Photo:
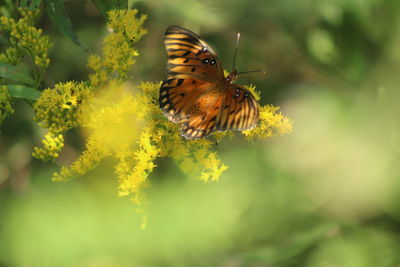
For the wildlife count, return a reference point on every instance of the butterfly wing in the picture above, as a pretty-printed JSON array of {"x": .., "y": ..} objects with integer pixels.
[
  {"x": 178, "y": 96},
  {"x": 193, "y": 103},
  {"x": 239, "y": 110},
  {"x": 190, "y": 57},
  {"x": 233, "y": 109}
]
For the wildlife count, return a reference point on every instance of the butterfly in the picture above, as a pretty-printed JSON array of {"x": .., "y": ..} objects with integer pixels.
[{"x": 196, "y": 94}]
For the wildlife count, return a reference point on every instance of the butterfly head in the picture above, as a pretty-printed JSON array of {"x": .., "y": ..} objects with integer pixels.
[{"x": 231, "y": 78}]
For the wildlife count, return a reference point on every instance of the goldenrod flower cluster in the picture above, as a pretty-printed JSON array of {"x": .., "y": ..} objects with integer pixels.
[
  {"x": 52, "y": 145},
  {"x": 11, "y": 56},
  {"x": 271, "y": 123},
  {"x": 5, "y": 104},
  {"x": 131, "y": 128},
  {"x": 25, "y": 39},
  {"x": 29, "y": 15},
  {"x": 58, "y": 110},
  {"x": 118, "y": 52},
  {"x": 124, "y": 122}
]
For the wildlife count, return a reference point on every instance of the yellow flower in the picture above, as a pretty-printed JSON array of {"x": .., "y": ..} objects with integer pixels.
[
  {"x": 271, "y": 123},
  {"x": 58, "y": 108},
  {"x": 254, "y": 92},
  {"x": 5, "y": 104},
  {"x": 213, "y": 168},
  {"x": 52, "y": 145},
  {"x": 89, "y": 159},
  {"x": 118, "y": 51},
  {"x": 131, "y": 128},
  {"x": 29, "y": 15},
  {"x": 25, "y": 40}
]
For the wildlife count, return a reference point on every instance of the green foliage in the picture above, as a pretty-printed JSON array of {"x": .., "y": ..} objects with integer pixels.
[
  {"x": 29, "y": 3},
  {"x": 106, "y": 5},
  {"x": 23, "y": 40},
  {"x": 8, "y": 71},
  {"x": 24, "y": 92},
  {"x": 56, "y": 12},
  {"x": 326, "y": 194}
]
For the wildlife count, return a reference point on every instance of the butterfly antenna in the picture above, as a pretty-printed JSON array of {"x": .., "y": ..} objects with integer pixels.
[
  {"x": 236, "y": 48},
  {"x": 244, "y": 72}
]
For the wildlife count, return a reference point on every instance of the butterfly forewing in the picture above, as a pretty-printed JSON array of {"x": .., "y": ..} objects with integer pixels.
[{"x": 189, "y": 56}]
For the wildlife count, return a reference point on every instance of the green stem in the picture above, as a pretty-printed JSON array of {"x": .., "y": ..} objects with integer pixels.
[
  {"x": 39, "y": 79},
  {"x": 29, "y": 102},
  {"x": 38, "y": 72}
]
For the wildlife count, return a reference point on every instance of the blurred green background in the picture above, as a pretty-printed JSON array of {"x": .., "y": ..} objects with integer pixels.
[{"x": 325, "y": 195}]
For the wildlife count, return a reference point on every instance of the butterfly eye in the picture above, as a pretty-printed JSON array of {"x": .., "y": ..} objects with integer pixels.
[
  {"x": 201, "y": 51},
  {"x": 237, "y": 89},
  {"x": 205, "y": 61},
  {"x": 212, "y": 62}
]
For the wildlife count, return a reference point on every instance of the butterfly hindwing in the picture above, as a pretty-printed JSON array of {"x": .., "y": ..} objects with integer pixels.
[
  {"x": 236, "y": 109},
  {"x": 190, "y": 57},
  {"x": 239, "y": 110},
  {"x": 179, "y": 98},
  {"x": 203, "y": 117}
]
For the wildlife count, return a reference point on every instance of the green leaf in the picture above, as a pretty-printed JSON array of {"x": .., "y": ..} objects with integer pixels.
[
  {"x": 105, "y": 5},
  {"x": 22, "y": 91},
  {"x": 11, "y": 72},
  {"x": 29, "y": 3},
  {"x": 22, "y": 3},
  {"x": 57, "y": 14},
  {"x": 35, "y": 3}
]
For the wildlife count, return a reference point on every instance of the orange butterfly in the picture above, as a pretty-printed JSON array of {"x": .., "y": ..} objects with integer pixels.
[{"x": 196, "y": 94}]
